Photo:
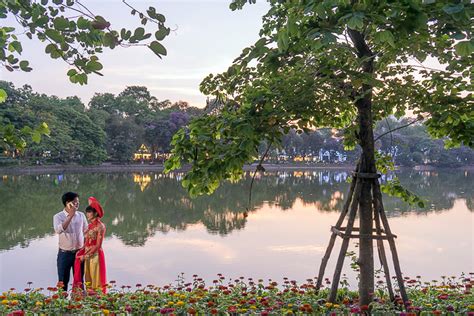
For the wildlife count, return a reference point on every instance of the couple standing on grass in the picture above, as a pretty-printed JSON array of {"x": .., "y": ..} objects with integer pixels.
[{"x": 80, "y": 244}]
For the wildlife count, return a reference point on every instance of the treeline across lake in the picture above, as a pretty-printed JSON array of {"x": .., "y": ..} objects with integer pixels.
[
  {"x": 142, "y": 204},
  {"x": 114, "y": 128}
]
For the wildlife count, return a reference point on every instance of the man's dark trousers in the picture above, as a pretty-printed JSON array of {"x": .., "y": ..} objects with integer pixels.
[{"x": 65, "y": 262}]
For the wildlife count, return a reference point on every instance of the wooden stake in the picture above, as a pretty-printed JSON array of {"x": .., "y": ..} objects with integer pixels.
[
  {"x": 345, "y": 242},
  {"x": 391, "y": 241},
  {"x": 327, "y": 254},
  {"x": 381, "y": 249}
]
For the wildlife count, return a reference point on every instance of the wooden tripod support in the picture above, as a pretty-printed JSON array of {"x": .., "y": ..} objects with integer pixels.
[{"x": 380, "y": 233}]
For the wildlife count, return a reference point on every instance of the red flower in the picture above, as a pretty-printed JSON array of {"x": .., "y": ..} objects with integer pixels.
[
  {"x": 17, "y": 313},
  {"x": 443, "y": 296},
  {"x": 191, "y": 311},
  {"x": 364, "y": 308},
  {"x": 214, "y": 311},
  {"x": 55, "y": 296}
]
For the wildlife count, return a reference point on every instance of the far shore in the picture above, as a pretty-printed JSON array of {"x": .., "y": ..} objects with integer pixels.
[{"x": 158, "y": 167}]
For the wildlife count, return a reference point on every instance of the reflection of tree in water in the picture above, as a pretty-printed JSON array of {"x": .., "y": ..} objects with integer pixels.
[{"x": 137, "y": 206}]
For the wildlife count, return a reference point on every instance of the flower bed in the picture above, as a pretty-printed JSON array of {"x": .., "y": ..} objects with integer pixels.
[{"x": 449, "y": 296}]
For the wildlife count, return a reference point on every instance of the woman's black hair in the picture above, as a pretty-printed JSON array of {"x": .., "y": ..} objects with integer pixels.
[{"x": 91, "y": 209}]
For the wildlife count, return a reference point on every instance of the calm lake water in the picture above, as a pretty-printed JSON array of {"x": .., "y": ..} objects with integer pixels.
[{"x": 155, "y": 231}]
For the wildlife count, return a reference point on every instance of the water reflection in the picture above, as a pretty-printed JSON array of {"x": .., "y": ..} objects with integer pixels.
[{"x": 141, "y": 204}]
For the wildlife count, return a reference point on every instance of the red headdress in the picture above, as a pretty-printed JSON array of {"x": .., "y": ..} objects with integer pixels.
[{"x": 96, "y": 205}]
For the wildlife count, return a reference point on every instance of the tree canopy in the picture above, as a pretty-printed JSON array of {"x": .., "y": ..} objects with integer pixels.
[
  {"x": 111, "y": 128},
  {"x": 315, "y": 60},
  {"x": 72, "y": 33}
]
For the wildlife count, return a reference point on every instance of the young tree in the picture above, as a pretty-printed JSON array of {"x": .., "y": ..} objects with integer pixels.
[
  {"x": 72, "y": 33},
  {"x": 341, "y": 64}
]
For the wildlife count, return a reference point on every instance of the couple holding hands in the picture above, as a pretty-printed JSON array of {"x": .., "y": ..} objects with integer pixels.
[{"x": 80, "y": 244}]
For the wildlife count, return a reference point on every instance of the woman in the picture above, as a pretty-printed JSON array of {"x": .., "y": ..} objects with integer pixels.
[{"x": 92, "y": 254}]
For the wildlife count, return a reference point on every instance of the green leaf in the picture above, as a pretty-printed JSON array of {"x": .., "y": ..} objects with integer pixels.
[
  {"x": 61, "y": 23},
  {"x": 54, "y": 35},
  {"x": 15, "y": 46},
  {"x": 94, "y": 65},
  {"x": 72, "y": 72},
  {"x": 160, "y": 17},
  {"x": 36, "y": 136},
  {"x": 43, "y": 128},
  {"x": 385, "y": 37},
  {"x": 24, "y": 66},
  {"x": 139, "y": 32},
  {"x": 355, "y": 22},
  {"x": 162, "y": 33},
  {"x": 109, "y": 40},
  {"x": 157, "y": 48},
  {"x": 3, "y": 95},
  {"x": 464, "y": 48},
  {"x": 83, "y": 23}
]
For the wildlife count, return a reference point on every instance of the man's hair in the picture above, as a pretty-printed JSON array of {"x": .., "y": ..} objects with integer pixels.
[{"x": 69, "y": 197}]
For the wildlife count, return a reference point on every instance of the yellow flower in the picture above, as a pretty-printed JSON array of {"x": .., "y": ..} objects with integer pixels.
[
  {"x": 289, "y": 313},
  {"x": 328, "y": 305},
  {"x": 336, "y": 305},
  {"x": 253, "y": 307},
  {"x": 38, "y": 303},
  {"x": 105, "y": 311},
  {"x": 14, "y": 302},
  {"x": 290, "y": 305},
  {"x": 182, "y": 296},
  {"x": 243, "y": 310},
  {"x": 5, "y": 302},
  {"x": 179, "y": 303},
  {"x": 428, "y": 304},
  {"x": 471, "y": 307},
  {"x": 170, "y": 303},
  {"x": 176, "y": 294},
  {"x": 151, "y": 308}
]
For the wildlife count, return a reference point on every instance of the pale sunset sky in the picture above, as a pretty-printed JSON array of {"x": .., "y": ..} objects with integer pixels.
[{"x": 207, "y": 37}]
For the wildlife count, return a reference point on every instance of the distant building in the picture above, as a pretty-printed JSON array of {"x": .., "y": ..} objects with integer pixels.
[{"x": 143, "y": 153}]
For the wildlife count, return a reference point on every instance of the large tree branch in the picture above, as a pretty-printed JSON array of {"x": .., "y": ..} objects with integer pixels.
[{"x": 399, "y": 127}]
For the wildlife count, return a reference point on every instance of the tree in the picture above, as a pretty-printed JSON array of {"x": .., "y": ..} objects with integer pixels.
[
  {"x": 340, "y": 64},
  {"x": 72, "y": 33},
  {"x": 124, "y": 137}
]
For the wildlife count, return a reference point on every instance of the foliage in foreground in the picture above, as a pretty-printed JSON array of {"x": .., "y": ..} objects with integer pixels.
[{"x": 450, "y": 296}]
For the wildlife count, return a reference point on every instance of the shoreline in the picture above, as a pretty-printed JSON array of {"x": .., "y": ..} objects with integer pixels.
[{"x": 132, "y": 168}]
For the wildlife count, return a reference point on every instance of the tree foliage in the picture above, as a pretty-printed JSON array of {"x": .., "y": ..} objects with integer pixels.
[
  {"x": 112, "y": 127},
  {"x": 315, "y": 60},
  {"x": 72, "y": 33}
]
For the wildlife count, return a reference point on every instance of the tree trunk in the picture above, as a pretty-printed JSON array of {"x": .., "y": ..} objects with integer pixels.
[{"x": 366, "y": 141}]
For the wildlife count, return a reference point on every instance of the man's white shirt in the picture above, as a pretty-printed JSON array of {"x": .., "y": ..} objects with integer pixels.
[{"x": 73, "y": 237}]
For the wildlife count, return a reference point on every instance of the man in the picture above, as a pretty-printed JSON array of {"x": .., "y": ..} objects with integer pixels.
[{"x": 70, "y": 224}]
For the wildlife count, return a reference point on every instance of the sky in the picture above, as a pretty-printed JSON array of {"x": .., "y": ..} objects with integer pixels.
[{"x": 207, "y": 36}]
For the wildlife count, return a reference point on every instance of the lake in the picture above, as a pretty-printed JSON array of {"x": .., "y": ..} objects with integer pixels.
[{"x": 155, "y": 231}]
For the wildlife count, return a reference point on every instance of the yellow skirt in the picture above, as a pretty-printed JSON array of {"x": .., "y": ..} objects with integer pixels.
[{"x": 92, "y": 272}]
